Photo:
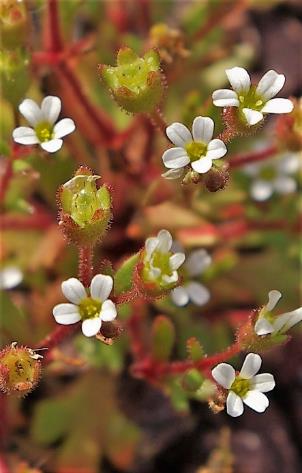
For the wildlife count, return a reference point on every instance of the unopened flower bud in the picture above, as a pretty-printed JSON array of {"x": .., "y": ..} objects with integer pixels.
[
  {"x": 14, "y": 74},
  {"x": 20, "y": 369},
  {"x": 13, "y": 23},
  {"x": 85, "y": 208},
  {"x": 168, "y": 41},
  {"x": 216, "y": 179},
  {"x": 109, "y": 332},
  {"x": 135, "y": 83},
  {"x": 191, "y": 177}
]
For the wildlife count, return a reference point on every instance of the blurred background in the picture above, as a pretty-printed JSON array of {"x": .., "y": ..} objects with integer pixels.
[{"x": 88, "y": 413}]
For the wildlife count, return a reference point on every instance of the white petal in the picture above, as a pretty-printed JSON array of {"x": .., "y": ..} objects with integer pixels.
[
  {"x": 256, "y": 400},
  {"x": 224, "y": 374},
  {"x": 286, "y": 321},
  {"x": 234, "y": 405},
  {"x": 108, "y": 311},
  {"x": 197, "y": 262},
  {"x": 31, "y": 111},
  {"x": 176, "y": 260},
  {"x": 285, "y": 185},
  {"x": 101, "y": 286},
  {"x": 51, "y": 107},
  {"x": 73, "y": 290},
  {"x": 251, "y": 365},
  {"x": 263, "y": 326},
  {"x": 63, "y": 127},
  {"x": 270, "y": 84},
  {"x": 202, "y": 165},
  {"x": 264, "y": 382},
  {"x": 164, "y": 241},
  {"x": 178, "y": 134},
  {"x": 175, "y": 158},
  {"x": 180, "y": 296},
  {"x": 273, "y": 298},
  {"x": 52, "y": 146},
  {"x": 91, "y": 327},
  {"x": 154, "y": 273},
  {"x": 202, "y": 129},
  {"x": 25, "y": 136},
  {"x": 239, "y": 79},
  {"x": 216, "y": 149},
  {"x": 10, "y": 277},
  {"x": 173, "y": 174},
  {"x": 170, "y": 279},
  {"x": 278, "y": 106},
  {"x": 198, "y": 293},
  {"x": 150, "y": 245},
  {"x": 66, "y": 314},
  {"x": 252, "y": 116},
  {"x": 225, "y": 98},
  {"x": 289, "y": 163},
  {"x": 261, "y": 190}
]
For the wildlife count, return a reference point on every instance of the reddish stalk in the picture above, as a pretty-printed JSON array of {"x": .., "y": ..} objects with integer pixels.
[
  {"x": 85, "y": 265},
  {"x": 253, "y": 157},
  {"x": 37, "y": 221},
  {"x": 158, "y": 121},
  {"x": 59, "y": 334},
  {"x": 53, "y": 38}
]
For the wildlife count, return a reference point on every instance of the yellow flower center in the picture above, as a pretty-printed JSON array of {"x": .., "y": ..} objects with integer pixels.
[
  {"x": 44, "y": 131},
  {"x": 196, "y": 150},
  {"x": 89, "y": 308},
  {"x": 241, "y": 386}
]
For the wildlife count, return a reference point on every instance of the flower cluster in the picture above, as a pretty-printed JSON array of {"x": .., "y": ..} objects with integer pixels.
[
  {"x": 91, "y": 308},
  {"x": 44, "y": 132},
  {"x": 246, "y": 387}
]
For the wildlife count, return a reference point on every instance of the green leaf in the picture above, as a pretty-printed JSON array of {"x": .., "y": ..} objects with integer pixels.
[
  {"x": 123, "y": 279},
  {"x": 13, "y": 323},
  {"x": 162, "y": 338},
  {"x": 194, "y": 348}
]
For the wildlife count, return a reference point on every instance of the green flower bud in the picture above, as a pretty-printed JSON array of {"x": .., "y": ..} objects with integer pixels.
[
  {"x": 14, "y": 74},
  {"x": 13, "y": 23},
  {"x": 86, "y": 209},
  {"x": 135, "y": 83},
  {"x": 20, "y": 369}
]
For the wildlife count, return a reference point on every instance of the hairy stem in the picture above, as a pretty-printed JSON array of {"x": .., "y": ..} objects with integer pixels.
[
  {"x": 253, "y": 157},
  {"x": 85, "y": 265}
]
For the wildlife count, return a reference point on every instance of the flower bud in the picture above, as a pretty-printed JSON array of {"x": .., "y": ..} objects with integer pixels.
[
  {"x": 135, "y": 83},
  {"x": 168, "y": 41},
  {"x": 14, "y": 74},
  {"x": 20, "y": 369},
  {"x": 85, "y": 208},
  {"x": 13, "y": 23},
  {"x": 191, "y": 177},
  {"x": 289, "y": 128},
  {"x": 216, "y": 179},
  {"x": 109, "y": 331}
]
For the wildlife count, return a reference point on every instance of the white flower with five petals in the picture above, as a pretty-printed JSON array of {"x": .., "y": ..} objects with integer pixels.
[
  {"x": 273, "y": 176},
  {"x": 44, "y": 130},
  {"x": 267, "y": 323},
  {"x": 192, "y": 290},
  {"x": 160, "y": 264},
  {"x": 198, "y": 150},
  {"x": 253, "y": 101},
  {"x": 92, "y": 308},
  {"x": 246, "y": 387}
]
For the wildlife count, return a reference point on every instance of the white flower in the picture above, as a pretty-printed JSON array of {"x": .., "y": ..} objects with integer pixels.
[
  {"x": 267, "y": 323},
  {"x": 92, "y": 308},
  {"x": 273, "y": 175},
  {"x": 193, "y": 291},
  {"x": 44, "y": 131},
  {"x": 246, "y": 387},
  {"x": 253, "y": 102},
  {"x": 10, "y": 277},
  {"x": 160, "y": 264},
  {"x": 199, "y": 151}
]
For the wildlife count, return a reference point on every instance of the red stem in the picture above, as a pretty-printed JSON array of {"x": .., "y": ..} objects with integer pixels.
[
  {"x": 53, "y": 39},
  {"x": 59, "y": 334},
  {"x": 37, "y": 221},
  {"x": 253, "y": 157},
  {"x": 158, "y": 121},
  {"x": 85, "y": 265}
]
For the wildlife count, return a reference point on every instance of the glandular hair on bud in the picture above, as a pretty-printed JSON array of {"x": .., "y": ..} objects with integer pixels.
[
  {"x": 20, "y": 370},
  {"x": 216, "y": 179}
]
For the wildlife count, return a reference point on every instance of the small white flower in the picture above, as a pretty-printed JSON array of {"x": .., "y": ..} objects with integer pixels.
[
  {"x": 198, "y": 150},
  {"x": 160, "y": 264},
  {"x": 10, "y": 277},
  {"x": 192, "y": 290},
  {"x": 274, "y": 175},
  {"x": 42, "y": 119},
  {"x": 253, "y": 102},
  {"x": 246, "y": 387},
  {"x": 92, "y": 309},
  {"x": 267, "y": 323}
]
